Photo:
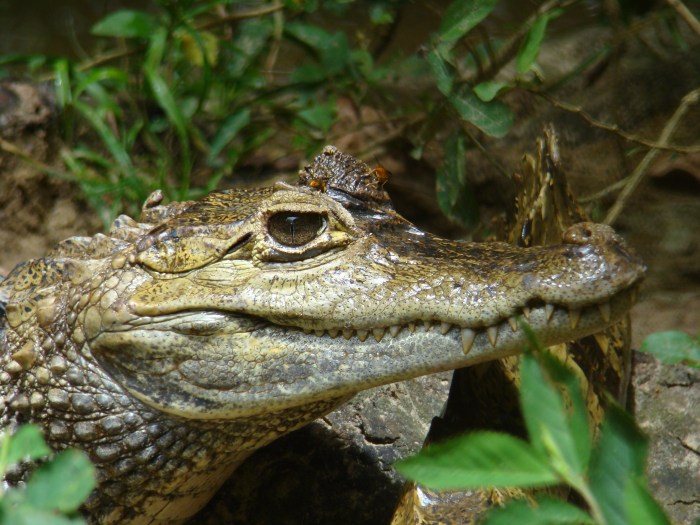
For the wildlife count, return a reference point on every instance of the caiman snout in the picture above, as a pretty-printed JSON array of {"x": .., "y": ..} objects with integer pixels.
[{"x": 610, "y": 247}]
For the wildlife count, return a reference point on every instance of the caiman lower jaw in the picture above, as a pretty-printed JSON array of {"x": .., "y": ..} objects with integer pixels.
[{"x": 543, "y": 318}]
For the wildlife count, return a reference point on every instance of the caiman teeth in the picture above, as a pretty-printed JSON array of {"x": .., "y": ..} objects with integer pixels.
[
  {"x": 492, "y": 332},
  {"x": 574, "y": 317},
  {"x": 428, "y": 325},
  {"x": 468, "y": 336},
  {"x": 526, "y": 312},
  {"x": 445, "y": 327},
  {"x": 362, "y": 335},
  {"x": 333, "y": 332},
  {"x": 411, "y": 327},
  {"x": 347, "y": 333},
  {"x": 319, "y": 333},
  {"x": 549, "y": 311},
  {"x": 394, "y": 330},
  {"x": 513, "y": 322},
  {"x": 604, "y": 310},
  {"x": 378, "y": 334}
]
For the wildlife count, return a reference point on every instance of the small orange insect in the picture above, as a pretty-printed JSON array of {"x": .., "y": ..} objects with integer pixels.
[{"x": 382, "y": 174}]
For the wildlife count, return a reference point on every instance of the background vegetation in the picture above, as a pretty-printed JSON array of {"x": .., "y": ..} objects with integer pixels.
[{"x": 182, "y": 93}]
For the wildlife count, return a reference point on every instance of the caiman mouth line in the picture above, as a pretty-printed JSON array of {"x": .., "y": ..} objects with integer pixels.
[{"x": 596, "y": 312}]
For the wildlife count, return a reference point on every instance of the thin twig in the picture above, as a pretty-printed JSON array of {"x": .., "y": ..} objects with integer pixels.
[
  {"x": 614, "y": 187},
  {"x": 614, "y": 128},
  {"x": 490, "y": 157},
  {"x": 685, "y": 14},
  {"x": 636, "y": 177}
]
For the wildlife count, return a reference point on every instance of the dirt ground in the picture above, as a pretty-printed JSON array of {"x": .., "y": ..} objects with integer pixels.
[{"x": 36, "y": 211}]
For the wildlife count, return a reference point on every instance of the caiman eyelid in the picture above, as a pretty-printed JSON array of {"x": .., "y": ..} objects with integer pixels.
[{"x": 239, "y": 243}]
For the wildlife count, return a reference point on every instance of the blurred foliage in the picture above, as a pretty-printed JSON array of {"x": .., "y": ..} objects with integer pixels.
[
  {"x": 673, "y": 347},
  {"x": 179, "y": 93},
  {"x": 54, "y": 491}
]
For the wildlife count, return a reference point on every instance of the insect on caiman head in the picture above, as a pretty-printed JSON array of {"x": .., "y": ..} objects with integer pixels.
[{"x": 259, "y": 300}]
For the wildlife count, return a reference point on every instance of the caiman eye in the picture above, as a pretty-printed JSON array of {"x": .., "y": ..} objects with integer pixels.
[{"x": 295, "y": 228}]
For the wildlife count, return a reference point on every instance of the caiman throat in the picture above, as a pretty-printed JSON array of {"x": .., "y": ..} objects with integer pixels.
[{"x": 171, "y": 348}]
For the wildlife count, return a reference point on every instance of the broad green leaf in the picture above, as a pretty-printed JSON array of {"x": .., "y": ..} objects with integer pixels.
[
  {"x": 462, "y": 16},
  {"x": 547, "y": 419},
  {"x": 166, "y": 100},
  {"x": 454, "y": 195},
  {"x": 61, "y": 484},
  {"x": 28, "y": 516},
  {"x": 250, "y": 40},
  {"x": 480, "y": 459},
  {"x": 531, "y": 45},
  {"x": 320, "y": 116},
  {"x": 493, "y": 118},
  {"x": 673, "y": 346},
  {"x": 543, "y": 511},
  {"x": 490, "y": 89},
  {"x": 619, "y": 456},
  {"x": 442, "y": 71},
  {"x": 25, "y": 444},
  {"x": 126, "y": 23},
  {"x": 228, "y": 130},
  {"x": 332, "y": 49},
  {"x": 641, "y": 507}
]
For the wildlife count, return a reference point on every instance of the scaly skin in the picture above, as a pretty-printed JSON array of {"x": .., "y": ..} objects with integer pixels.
[{"x": 172, "y": 348}]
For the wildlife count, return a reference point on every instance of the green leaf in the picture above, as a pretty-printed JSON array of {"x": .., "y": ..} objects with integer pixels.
[
  {"x": 228, "y": 130},
  {"x": 320, "y": 116},
  {"x": 493, "y": 118},
  {"x": 61, "y": 69},
  {"x": 61, "y": 484},
  {"x": 490, "y": 89},
  {"x": 28, "y": 516},
  {"x": 462, "y": 16},
  {"x": 553, "y": 430},
  {"x": 544, "y": 511},
  {"x": 476, "y": 460},
  {"x": 105, "y": 133},
  {"x": 25, "y": 444},
  {"x": 454, "y": 195},
  {"x": 332, "y": 49},
  {"x": 673, "y": 347},
  {"x": 442, "y": 71},
  {"x": 619, "y": 456},
  {"x": 641, "y": 507},
  {"x": 126, "y": 23},
  {"x": 531, "y": 45}
]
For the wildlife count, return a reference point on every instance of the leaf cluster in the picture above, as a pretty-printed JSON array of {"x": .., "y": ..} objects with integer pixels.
[
  {"x": 53, "y": 492},
  {"x": 180, "y": 93},
  {"x": 607, "y": 473}
]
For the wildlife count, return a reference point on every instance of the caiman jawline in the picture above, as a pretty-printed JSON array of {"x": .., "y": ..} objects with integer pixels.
[{"x": 595, "y": 316}]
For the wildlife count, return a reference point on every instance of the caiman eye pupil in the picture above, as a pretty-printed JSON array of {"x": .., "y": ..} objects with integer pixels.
[{"x": 295, "y": 229}]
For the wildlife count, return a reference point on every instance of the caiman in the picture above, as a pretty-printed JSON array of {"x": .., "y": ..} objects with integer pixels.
[{"x": 173, "y": 347}]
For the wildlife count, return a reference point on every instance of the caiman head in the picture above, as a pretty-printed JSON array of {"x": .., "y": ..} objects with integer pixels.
[{"x": 253, "y": 301}]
